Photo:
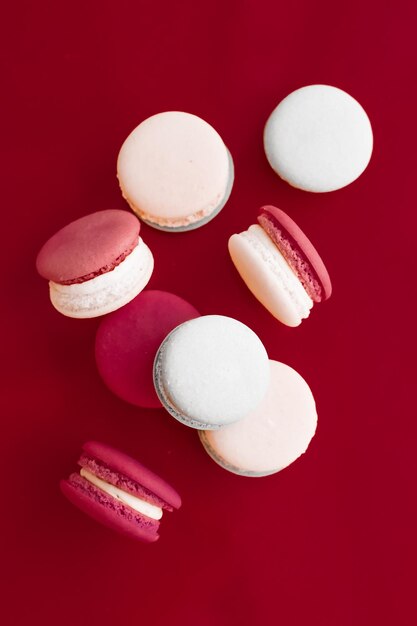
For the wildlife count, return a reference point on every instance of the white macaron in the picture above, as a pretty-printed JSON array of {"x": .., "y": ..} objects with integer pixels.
[
  {"x": 211, "y": 371},
  {"x": 318, "y": 138}
]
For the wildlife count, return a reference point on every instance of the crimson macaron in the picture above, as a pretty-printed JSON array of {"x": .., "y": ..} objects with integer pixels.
[
  {"x": 128, "y": 340},
  {"x": 95, "y": 264},
  {"x": 119, "y": 492}
]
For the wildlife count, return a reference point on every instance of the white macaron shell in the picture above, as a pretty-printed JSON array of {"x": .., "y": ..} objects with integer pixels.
[
  {"x": 268, "y": 276},
  {"x": 106, "y": 292},
  {"x": 318, "y": 138},
  {"x": 213, "y": 370},
  {"x": 172, "y": 166},
  {"x": 274, "y": 435}
]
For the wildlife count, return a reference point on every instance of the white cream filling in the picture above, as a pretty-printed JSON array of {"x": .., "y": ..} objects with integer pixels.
[
  {"x": 265, "y": 247},
  {"x": 150, "y": 510},
  {"x": 107, "y": 292}
]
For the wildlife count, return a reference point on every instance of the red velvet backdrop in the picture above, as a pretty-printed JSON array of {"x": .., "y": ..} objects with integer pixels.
[{"x": 329, "y": 541}]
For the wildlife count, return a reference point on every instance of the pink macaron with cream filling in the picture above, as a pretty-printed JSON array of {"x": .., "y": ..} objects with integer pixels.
[
  {"x": 95, "y": 264},
  {"x": 119, "y": 492},
  {"x": 280, "y": 265}
]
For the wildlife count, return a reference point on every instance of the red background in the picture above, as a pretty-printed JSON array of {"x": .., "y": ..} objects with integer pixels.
[{"x": 331, "y": 540}]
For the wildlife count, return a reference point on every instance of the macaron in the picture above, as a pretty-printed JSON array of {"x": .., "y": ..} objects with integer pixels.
[
  {"x": 95, "y": 264},
  {"x": 119, "y": 492},
  {"x": 128, "y": 340},
  {"x": 211, "y": 371},
  {"x": 280, "y": 266},
  {"x": 272, "y": 436},
  {"x": 318, "y": 138},
  {"x": 175, "y": 171}
]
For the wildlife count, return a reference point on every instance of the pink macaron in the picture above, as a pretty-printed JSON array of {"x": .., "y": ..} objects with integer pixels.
[
  {"x": 128, "y": 340},
  {"x": 95, "y": 264},
  {"x": 274, "y": 435},
  {"x": 119, "y": 492},
  {"x": 280, "y": 266},
  {"x": 175, "y": 171}
]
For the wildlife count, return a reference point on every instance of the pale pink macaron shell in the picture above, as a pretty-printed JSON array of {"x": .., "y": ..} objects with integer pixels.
[
  {"x": 175, "y": 171},
  {"x": 274, "y": 434},
  {"x": 89, "y": 246}
]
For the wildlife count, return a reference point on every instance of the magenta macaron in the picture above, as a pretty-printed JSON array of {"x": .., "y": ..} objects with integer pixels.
[
  {"x": 128, "y": 340},
  {"x": 95, "y": 264},
  {"x": 280, "y": 266},
  {"x": 119, "y": 492}
]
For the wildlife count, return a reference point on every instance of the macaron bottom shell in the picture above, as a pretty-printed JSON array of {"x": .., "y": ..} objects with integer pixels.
[
  {"x": 191, "y": 222},
  {"x": 107, "y": 292},
  {"x": 108, "y": 511},
  {"x": 267, "y": 275},
  {"x": 228, "y": 466}
]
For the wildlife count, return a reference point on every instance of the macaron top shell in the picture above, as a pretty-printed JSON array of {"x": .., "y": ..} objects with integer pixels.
[
  {"x": 89, "y": 246},
  {"x": 128, "y": 339},
  {"x": 173, "y": 165},
  {"x": 318, "y": 138},
  {"x": 298, "y": 251},
  {"x": 213, "y": 370},
  {"x": 123, "y": 464}
]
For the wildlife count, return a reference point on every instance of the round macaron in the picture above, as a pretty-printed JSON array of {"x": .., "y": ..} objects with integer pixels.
[
  {"x": 280, "y": 266},
  {"x": 128, "y": 339},
  {"x": 211, "y": 371},
  {"x": 95, "y": 264},
  {"x": 119, "y": 492},
  {"x": 274, "y": 435},
  {"x": 318, "y": 138},
  {"x": 175, "y": 171}
]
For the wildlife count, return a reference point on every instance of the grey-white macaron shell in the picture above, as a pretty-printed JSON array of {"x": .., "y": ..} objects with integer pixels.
[
  {"x": 211, "y": 371},
  {"x": 318, "y": 138}
]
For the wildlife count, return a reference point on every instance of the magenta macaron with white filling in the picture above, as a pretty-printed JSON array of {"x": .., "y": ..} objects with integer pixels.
[
  {"x": 119, "y": 492},
  {"x": 95, "y": 264},
  {"x": 280, "y": 266}
]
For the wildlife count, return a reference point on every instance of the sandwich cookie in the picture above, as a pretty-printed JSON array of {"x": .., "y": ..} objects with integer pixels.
[
  {"x": 95, "y": 264},
  {"x": 119, "y": 492},
  {"x": 274, "y": 435},
  {"x": 318, "y": 139},
  {"x": 175, "y": 171},
  {"x": 211, "y": 371},
  {"x": 280, "y": 266},
  {"x": 128, "y": 339}
]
